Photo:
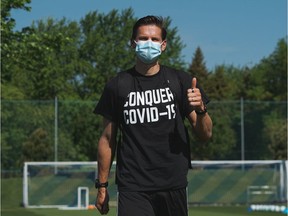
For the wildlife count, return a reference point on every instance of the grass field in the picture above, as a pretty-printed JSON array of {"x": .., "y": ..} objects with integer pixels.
[
  {"x": 11, "y": 198},
  {"x": 196, "y": 211}
]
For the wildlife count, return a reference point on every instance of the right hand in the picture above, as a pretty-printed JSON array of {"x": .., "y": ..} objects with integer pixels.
[
  {"x": 194, "y": 96},
  {"x": 102, "y": 201}
]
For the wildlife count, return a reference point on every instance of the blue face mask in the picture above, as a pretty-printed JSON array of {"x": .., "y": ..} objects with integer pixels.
[{"x": 148, "y": 51}]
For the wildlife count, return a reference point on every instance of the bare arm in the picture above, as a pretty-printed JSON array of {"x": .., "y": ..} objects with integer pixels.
[
  {"x": 201, "y": 123},
  {"x": 106, "y": 151}
]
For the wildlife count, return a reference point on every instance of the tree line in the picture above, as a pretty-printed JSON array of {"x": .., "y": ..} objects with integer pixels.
[{"x": 73, "y": 60}]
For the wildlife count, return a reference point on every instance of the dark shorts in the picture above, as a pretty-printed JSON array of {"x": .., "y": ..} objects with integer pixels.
[{"x": 160, "y": 203}]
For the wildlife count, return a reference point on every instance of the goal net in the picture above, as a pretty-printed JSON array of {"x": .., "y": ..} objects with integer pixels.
[
  {"x": 60, "y": 184},
  {"x": 237, "y": 182},
  {"x": 71, "y": 184}
]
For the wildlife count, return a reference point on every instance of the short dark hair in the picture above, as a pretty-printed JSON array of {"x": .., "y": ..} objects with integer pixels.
[{"x": 149, "y": 20}]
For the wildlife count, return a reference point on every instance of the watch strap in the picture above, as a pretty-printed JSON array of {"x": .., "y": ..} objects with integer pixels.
[
  {"x": 98, "y": 184},
  {"x": 202, "y": 112}
]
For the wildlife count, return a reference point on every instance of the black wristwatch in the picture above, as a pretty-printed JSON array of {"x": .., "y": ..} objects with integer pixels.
[
  {"x": 100, "y": 185},
  {"x": 201, "y": 112}
]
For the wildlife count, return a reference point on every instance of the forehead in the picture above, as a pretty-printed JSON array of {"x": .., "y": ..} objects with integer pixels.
[{"x": 149, "y": 30}]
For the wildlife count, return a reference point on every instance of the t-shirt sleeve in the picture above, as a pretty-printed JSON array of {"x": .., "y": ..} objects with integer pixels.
[{"x": 107, "y": 105}]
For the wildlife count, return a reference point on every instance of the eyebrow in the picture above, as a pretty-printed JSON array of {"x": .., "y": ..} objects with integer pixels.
[{"x": 146, "y": 38}]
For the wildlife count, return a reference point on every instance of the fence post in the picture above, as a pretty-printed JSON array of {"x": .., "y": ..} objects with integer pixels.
[
  {"x": 56, "y": 132},
  {"x": 242, "y": 130}
]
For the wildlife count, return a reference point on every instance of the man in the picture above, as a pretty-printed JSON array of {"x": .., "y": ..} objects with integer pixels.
[{"x": 148, "y": 103}]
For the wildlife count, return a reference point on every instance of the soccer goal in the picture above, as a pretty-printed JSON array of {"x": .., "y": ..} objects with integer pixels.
[
  {"x": 60, "y": 184},
  {"x": 70, "y": 185},
  {"x": 237, "y": 182}
]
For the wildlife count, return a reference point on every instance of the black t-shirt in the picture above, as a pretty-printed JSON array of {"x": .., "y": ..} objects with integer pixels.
[{"x": 151, "y": 156}]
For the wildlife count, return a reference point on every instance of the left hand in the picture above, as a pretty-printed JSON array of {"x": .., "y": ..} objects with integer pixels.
[
  {"x": 194, "y": 96},
  {"x": 102, "y": 201}
]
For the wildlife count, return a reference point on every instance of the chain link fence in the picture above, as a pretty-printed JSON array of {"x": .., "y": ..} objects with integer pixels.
[{"x": 69, "y": 131}]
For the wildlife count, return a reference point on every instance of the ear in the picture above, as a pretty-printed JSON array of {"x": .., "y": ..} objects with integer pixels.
[{"x": 163, "y": 46}]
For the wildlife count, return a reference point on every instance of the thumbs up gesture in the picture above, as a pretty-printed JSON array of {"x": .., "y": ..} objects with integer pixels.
[{"x": 194, "y": 97}]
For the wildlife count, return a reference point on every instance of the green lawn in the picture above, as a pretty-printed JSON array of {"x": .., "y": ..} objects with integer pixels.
[
  {"x": 11, "y": 198},
  {"x": 196, "y": 211}
]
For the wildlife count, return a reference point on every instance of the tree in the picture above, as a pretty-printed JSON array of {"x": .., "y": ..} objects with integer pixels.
[
  {"x": 269, "y": 77},
  {"x": 78, "y": 131},
  {"x": 73, "y": 60},
  {"x": 37, "y": 147},
  {"x": 20, "y": 119},
  {"x": 49, "y": 60},
  {"x": 224, "y": 138},
  {"x": 198, "y": 67},
  {"x": 275, "y": 134},
  {"x": 276, "y": 72},
  {"x": 105, "y": 47},
  {"x": 218, "y": 85},
  {"x": 172, "y": 55},
  {"x": 8, "y": 36}
]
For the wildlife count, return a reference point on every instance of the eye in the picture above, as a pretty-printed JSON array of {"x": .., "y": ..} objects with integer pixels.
[{"x": 156, "y": 39}]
